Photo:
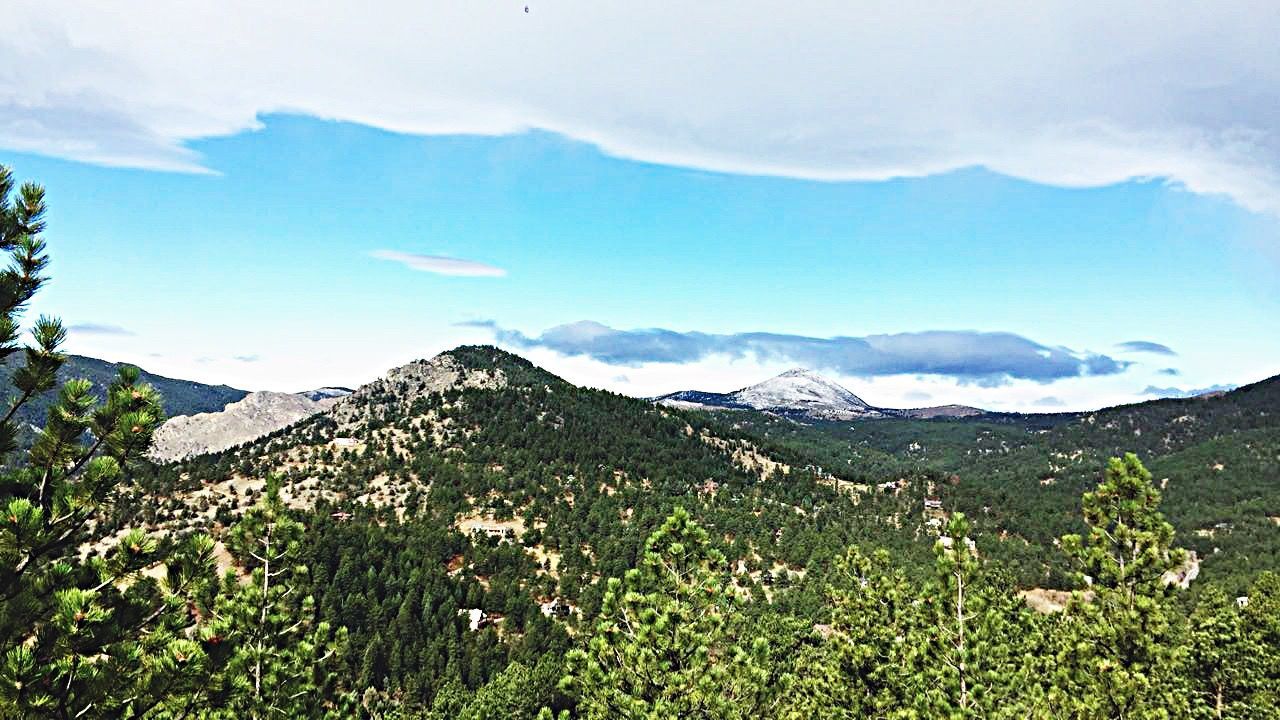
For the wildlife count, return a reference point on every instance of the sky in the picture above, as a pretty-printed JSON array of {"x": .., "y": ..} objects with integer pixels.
[{"x": 1060, "y": 207}]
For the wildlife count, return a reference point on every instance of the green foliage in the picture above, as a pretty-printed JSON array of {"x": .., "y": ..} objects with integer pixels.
[
  {"x": 1226, "y": 664},
  {"x": 1121, "y": 652},
  {"x": 858, "y": 670},
  {"x": 971, "y": 656},
  {"x": 670, "y": 642},
  {"x": 106, "y": 635},
  {"x": 277, "y": 662}
]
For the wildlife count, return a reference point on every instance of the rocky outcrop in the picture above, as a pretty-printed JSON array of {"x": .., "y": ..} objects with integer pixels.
[
  {"x": 397, "y": 391},
  {"x": 258, "y": 414}
]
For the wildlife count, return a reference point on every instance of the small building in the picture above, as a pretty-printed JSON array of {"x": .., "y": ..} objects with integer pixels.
[
  {"x": 557, "y": 608},
  {"x": 497, "y": 531},
  {"x": 475, "y": 616}
]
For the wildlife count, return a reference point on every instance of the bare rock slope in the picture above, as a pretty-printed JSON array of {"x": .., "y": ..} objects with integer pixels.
[
  {"x": 258, "y": 414},
  {"x": 396, "y": 392}
]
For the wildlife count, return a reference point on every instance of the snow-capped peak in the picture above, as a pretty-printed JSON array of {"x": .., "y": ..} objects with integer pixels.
[
  {"x": 325, "y": 393},
  {"x": 803, "y": 390}
]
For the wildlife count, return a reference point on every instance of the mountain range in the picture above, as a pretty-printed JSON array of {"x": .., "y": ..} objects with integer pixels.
[
  {"x": 477, "y": 432},
  {"x": 473, "y": 500}
]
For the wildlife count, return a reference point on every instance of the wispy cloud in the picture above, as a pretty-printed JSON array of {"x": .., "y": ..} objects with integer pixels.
[
  {"x": 1173, "y": 392},
  {"x": 1169, "y": 371},
  {"x": 440, "y": 264},
  {"x": 1144, "y": 346},
  {"x": 97, "y": 329},
  {"x": 986, "y": 358},
  {"x": 246, "y": 358}
]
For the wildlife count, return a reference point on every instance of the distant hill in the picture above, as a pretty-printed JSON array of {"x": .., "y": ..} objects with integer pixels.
[
  {"x": 181, "y": 397},
  {"x": 476, "y": 483},
  {"x": 325, "y": 393}
]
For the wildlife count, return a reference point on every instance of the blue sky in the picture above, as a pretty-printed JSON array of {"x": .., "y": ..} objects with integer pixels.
[
  {"x": 262, "y": 273},
  {"x": 1054, "y": 205}
]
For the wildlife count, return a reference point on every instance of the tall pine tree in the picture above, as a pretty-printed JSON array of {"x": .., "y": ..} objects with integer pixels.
[
  {"x": 1121, "y": 653},
  {"x": 81, "y": 638}
]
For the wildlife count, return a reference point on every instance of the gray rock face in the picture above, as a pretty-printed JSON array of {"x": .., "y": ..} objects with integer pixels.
[
  {"x": 258, "y": 414},
  {"x": 398, "y": 390}
]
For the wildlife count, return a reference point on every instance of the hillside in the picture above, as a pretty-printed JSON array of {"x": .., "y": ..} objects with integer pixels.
[
  {"x": 478, "y": 435},
  {"x": 514, "y": 492}
]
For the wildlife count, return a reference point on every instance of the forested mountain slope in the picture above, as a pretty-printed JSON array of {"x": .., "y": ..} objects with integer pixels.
[
  {"x": 180, "y": 397},
  {"x": 1216, "y": 458},
  {"x": 516, "y": 490}
]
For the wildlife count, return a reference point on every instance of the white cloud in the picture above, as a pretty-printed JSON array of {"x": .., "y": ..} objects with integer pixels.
[
  {"x": 1061, "y": 91},
  {"x": 440, "y": 264},
  {"x": 91, "y": 328}
]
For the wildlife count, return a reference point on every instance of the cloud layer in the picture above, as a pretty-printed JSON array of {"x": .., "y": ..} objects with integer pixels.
[
  {"x": 989, "y": 358},
  {"x": 1061, "y": 91},
  {"x": 440, "y": 264},
  {"x": 1144, "y": 346}
]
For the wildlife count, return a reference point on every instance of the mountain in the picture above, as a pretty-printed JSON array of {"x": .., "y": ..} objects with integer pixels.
[
  {"x": 248, "y": 419},
  {"x": 1216, "y": 458},
  {"x": 181, "y": 397},
  {"x": 804, "y": 394}
]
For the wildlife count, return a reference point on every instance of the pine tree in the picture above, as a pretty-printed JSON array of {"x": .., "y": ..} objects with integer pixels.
[
  {"x": 278, "y": 661},
  {"x": 859, "y": 670},
  {"x": 669, "y": 642},
  {"x": 1223, "y": 665},
  {"x": 1121, "y": 653},
  {"x": 91, "y": 638},
  {"x": 970, "y": 658},
  {"x": 1260, "y": 620}
]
